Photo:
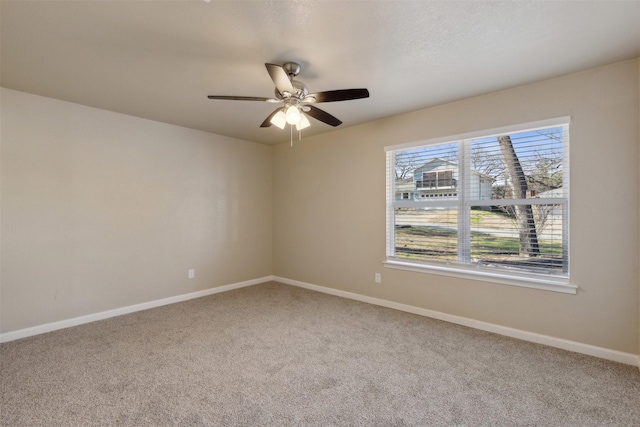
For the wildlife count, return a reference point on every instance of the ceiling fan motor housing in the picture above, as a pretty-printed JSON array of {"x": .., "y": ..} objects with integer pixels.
[
  {"x": 291, "y": 68},
  {"x": 301, "y": 91}
]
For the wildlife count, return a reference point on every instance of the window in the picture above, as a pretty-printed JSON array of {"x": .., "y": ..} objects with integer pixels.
[
  {"x": 437, "y": 179},
  {"x": 506, "y": 219}
]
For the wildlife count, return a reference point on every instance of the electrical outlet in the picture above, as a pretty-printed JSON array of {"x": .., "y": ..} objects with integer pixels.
[
  {"x": 378, "y": 278},
  {"x": 192, "y": 274}
]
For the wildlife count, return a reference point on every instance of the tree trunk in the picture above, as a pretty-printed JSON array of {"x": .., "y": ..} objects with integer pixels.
[{"x": 524, "y": 214}]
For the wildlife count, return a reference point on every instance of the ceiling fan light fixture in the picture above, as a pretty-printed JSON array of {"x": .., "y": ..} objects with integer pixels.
[
  {"x": 303, "y": 123},
  {"x": 279, "y": 119},
  {"x": 295, "y": 98},
  {"x": 293, "y": 115}
]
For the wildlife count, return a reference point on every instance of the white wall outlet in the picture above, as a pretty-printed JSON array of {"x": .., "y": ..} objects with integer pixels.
[
  {"x": 378, "y": 278},
  {"x": 192, "y": 274}
]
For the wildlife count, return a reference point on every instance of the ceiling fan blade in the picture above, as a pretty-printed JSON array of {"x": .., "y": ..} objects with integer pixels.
[
  {"x": 323, "y": 116},
  {"x": 267, "y": 122},
  {"x": 243, "y": 98},
  {"x": 337, "y": 95},
  {"x": 280, "y": 78}
]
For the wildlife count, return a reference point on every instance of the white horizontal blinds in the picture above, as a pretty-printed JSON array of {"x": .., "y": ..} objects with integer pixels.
[
  {"x": 502, "y": 242},
  {"x": 425, "y": 225},
  {"x": 391, "y": 195},
  {"x": 498, "y": 202},
  {"x": 427, "y": 172},
  {"x": 522, "y": 227},
  {"x": 522, "y": 165},
  {"x": 426, "y": 234}
]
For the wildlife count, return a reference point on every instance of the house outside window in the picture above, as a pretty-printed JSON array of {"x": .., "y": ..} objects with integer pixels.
[
  {"x": 404, "y": 189},
  {"x": 490, "y": 204}
]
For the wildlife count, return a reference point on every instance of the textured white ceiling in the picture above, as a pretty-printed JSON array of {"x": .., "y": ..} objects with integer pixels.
[{"x": 159, "y": 60}]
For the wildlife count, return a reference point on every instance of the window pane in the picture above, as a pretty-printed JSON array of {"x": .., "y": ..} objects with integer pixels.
[
  {"x": 428, "y": 172},
  {"x": 426, "y": 234},
  {"x": 519, "y": 165},
  {"x": 498, "y": 242}
]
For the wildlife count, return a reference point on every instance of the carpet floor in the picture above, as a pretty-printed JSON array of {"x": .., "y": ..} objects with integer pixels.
[{"x": 277, "y": 355}]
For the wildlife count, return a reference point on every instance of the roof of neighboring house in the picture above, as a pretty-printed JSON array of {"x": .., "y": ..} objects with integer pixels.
[{"x": 436, "y": 159}]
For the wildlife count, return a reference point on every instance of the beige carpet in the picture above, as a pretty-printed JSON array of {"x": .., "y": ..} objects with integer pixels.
[{"x": 276, "y": 355}]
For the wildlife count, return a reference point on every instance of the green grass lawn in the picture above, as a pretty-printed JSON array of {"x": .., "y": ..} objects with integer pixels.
[{"x": 440, "y": 242}]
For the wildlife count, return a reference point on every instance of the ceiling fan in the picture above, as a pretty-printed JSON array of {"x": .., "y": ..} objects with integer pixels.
[{"x": 296, "y": 99}]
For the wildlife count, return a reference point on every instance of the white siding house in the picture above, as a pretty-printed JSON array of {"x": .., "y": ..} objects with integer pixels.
[{"x": 439, "y": 178}]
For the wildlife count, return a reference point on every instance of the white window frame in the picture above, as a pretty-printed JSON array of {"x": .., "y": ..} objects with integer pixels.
[{"x": 551, "y": 283}]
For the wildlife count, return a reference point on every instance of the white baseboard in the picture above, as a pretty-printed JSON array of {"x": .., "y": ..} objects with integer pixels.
[
  {"x": 49, "y": 327},
  {"x": 591, "y": 350},
  {"x": 603, "y": 353}
]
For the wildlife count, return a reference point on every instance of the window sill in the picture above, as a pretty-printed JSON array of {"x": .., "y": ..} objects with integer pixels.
[{"x": 555, "y": 285}]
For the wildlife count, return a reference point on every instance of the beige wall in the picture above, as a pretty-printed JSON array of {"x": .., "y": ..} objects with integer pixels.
[
  {"x": 102, "y": 210},
  {"x": 329, "y": 209}
]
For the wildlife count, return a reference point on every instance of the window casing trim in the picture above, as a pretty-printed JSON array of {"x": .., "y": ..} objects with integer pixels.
[{"x": 472, "y": 273}]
